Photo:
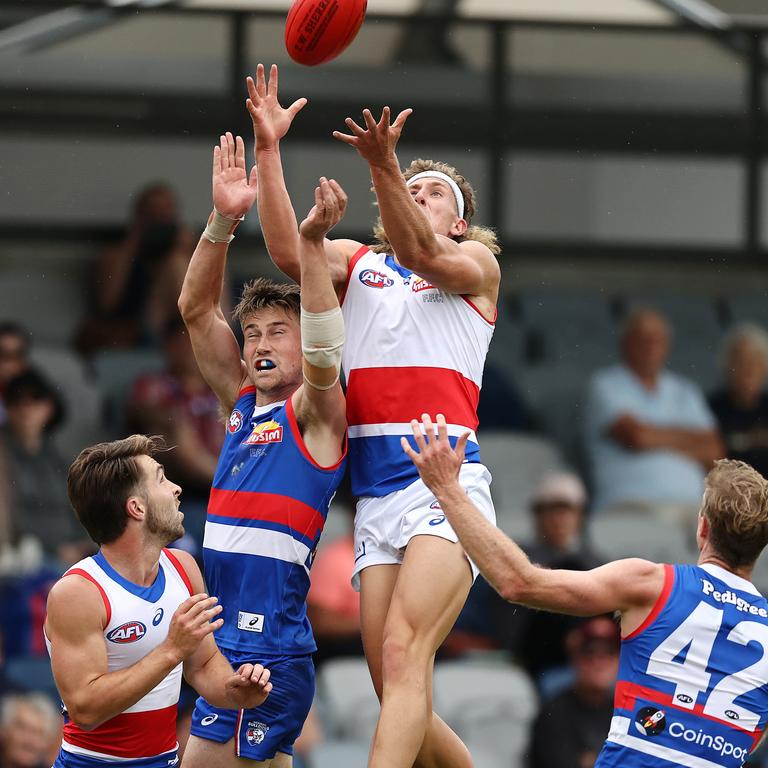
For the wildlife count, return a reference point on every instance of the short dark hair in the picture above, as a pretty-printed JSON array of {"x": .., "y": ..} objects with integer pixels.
[
  {"x": 101, "y": 479},
  {"x": 11, "y": 328},
  {"x": 263, "y": 293},
  {"x": 32, "y": 385}
]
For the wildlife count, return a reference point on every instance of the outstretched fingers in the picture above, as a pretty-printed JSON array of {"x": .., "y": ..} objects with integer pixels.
[
  {"x": 401, "y": 118},
  {"x": 239, "y": 152},
  {"x": 261, "y": 85},
  {"x": 272, "y": 84}
]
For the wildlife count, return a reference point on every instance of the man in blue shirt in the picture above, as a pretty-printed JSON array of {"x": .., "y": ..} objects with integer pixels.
[{"x": 650, "y": 434}]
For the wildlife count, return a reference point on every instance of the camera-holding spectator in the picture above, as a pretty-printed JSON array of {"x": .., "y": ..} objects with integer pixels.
[
  {"x": 136, "y": 282},
  {"x": 177, "y": 404},
  {"x": 650, "y": 433},
  {"x": 14, "y": 357},
  {"x": 35, "y": 472},
  {"x": 741, "y": 407},
  {"x": 30, "y": 731},
  {"x": 570, "y": 729}
]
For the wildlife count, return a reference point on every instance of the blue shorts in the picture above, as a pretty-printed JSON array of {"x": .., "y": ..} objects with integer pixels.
[
  {"x": 66, "y": 759},
  {"x": 271, "y": 728}
]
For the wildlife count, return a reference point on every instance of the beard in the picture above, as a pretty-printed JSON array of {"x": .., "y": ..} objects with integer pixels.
[{"x": 163, "y": 526}]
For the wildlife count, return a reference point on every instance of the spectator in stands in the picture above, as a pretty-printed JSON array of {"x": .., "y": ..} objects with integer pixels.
[
  {"x": 14, "y": 357},
  {"x": 177, "y": 404},
  {"x": 136, "y": 282},
  {"x": 333, "y": 606},
  {"x": 741, "y": 406},
  {"x": 569, "y": 730},
  {"x": 501, "y": 406},
  {"x": 650, "y": 433},
  {"x": 30, "y": 731},
  {"x": 36, "y": 473},
  {"x": 536, "y": 639}
]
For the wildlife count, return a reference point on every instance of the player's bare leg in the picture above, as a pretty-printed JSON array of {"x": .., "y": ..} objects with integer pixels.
[
  {"x": 401, "y": 646},
  {"x": 202, "y": 753}
]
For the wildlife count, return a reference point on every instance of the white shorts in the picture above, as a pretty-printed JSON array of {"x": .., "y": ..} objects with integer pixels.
[{"x": 385, "y": 524}]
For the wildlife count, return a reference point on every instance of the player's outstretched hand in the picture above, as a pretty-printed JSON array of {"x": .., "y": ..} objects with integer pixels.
[
  {"x": 192, "y": 621},
  {"x": 376, "y": 143},
  {"x": 327, "y": 212},
  {"x": 234, "y": 189},
  {"x": 249, "y": 686},
  {"x": 437, "y": 462},
  {"x": 270, "y": 121}
]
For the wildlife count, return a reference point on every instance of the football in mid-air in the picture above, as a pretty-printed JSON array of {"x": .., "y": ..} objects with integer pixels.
[{"x": 317, "y": 31}]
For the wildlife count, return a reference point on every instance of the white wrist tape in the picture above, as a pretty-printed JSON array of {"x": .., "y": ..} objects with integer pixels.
[
  {"x": 322, "y": 339},
  {"x": 220, "y": 228}
]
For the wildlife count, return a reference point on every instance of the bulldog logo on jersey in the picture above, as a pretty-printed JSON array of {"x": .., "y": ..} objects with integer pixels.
[
  {"x": 650, "y": 721},
  {"x": 264, "y": 433},
  {"x": 374, "y": 279},
  {"x": 235, "y": 422},
  {"x": 129, "y": 632},
  {"x": 255, "y": 732}
]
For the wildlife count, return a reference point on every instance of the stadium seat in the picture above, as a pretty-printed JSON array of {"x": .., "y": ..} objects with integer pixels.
[
  {"x": 338, "y": 754},
  {"x": 517, "y": 462},
  {"x": 349, "y": 704},
  {"x": 82, "y": 398},
  {"x": 487, "y": 704},
  {"x": 641, "y": 534},
  {"x": 116, "y": 370},
  {"x": 749, "y": 308}
]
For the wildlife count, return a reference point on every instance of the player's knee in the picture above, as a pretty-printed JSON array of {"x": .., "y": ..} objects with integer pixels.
[{"x": 399, "y": 656}]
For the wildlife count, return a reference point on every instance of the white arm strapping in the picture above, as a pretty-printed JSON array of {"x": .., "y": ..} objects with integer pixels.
[{"x": 322, "y": 340}]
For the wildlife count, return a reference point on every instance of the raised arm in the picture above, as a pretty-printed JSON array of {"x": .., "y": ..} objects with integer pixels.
[
  {"x": 75, "y": 627},
  {"x": 468, "y": 267},
  {"x": 629, "y": 586},
  {"x": 276, "y": 213},
  {"x": 215, "y": 346},
  {"x": 319, "y": 402}
]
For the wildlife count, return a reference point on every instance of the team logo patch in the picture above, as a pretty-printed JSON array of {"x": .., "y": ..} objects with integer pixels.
[
  {"x": 235, "y": 422},
  {"x": 266, "y": 432},
  {"x": 129, "y": 632},
  {"x": 420, "y": 284},
  {"x": 250, "y": 622},
  {"x": 650, "y": 721},
  {"x": 374, "y": 279},
  {"x": 255, "y": 732}
]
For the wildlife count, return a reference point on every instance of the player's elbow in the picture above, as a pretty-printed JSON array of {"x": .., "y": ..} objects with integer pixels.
[
  {"x": 513, "y": 589},
  {"x": 83, "y": 715}
]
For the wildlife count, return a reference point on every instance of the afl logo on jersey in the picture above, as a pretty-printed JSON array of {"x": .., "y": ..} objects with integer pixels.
[
  {"x": 374, "y": 279},
  {"x": 129, "y": 632},
  {"x": 266, "y": 432},
  {"x": 235, "y": 422}
]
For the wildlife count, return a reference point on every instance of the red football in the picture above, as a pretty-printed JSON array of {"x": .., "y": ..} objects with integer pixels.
[{"x": 317, "y": 31}]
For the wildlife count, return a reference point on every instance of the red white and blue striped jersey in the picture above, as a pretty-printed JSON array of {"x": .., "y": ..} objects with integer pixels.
[
  {"x": 267, "y": 509},
  {"x": 410, "y": 349},
  {"x": 692, "y": 688},
  {"x": 137, "y": 622}
]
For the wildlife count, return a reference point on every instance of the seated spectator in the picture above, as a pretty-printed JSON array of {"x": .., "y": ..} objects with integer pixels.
[
  {"x": 535, "y": 639},
  {"x": 35, "y": 471},
  {"x": 30, "y": 731},
  {"x": 14, "y": 357},
  {"x": 136, "y": 282},
  {"x": 570, "y": 729},
  {"x": 650, "y": 434},
  {"x": 741, "y": 406},
  {"x": 333, "y": 606},
  {"x": 501, "y": 405},
  {"x": 179, "y": 405}
]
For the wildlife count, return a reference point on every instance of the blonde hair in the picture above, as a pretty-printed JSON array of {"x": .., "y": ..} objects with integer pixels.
[
  {"x": 263, "y": 293},
  {"x": 736, "y": 506},
  {"x": 484, "y": 235}
]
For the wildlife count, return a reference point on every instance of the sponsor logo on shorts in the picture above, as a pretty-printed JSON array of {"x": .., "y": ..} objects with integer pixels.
[
  {"x": 158, "y": 617},
  {"x": 174, "y": 760},
  {"x": 374, "y": 279},
  {"x": 437, "y": 520},
  {"x": 255, "y": 732},
  {"x": 359, "y": 551},
  {"x": 250, "y": 622},
  {"x": 235, "y": 422},
  {"x": 264, "y": 433},
  {"x": 650, "y": 721},
  {"x": 129, "y": 632},
  {"x": 435, "y": 505},
  {"x": 209, "y": 720}
]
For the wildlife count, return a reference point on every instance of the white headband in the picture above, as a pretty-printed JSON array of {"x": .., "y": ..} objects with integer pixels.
[{"x": 448, "y": 180}]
